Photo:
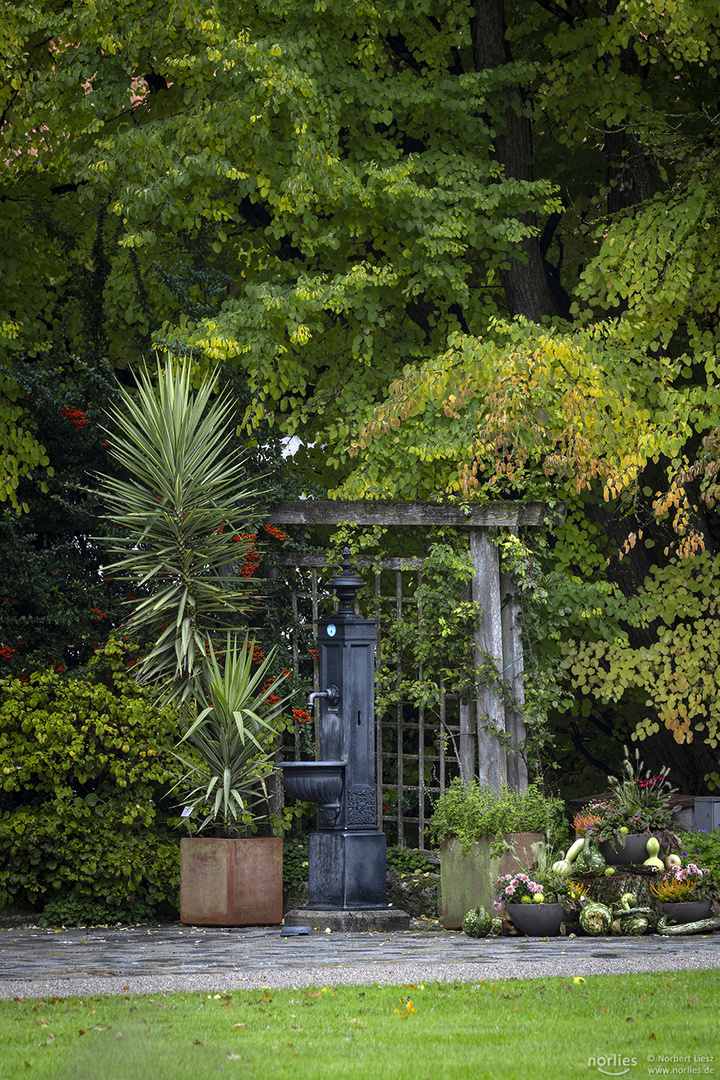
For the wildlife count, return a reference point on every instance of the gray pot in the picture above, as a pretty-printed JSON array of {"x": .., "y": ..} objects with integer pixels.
[
  {"x": 688, "y": 911},
  {"x": 633, "y": 853},
  {"x": 536, "y": 920}
]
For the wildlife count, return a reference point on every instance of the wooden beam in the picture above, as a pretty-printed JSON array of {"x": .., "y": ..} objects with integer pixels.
[
  {"x": 369, "y": 512},
  {"x": 298, "y": 558}
]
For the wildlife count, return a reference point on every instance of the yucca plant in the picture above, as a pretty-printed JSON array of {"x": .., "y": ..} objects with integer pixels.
[
  {"x": 239, "y": 712},
  {"x": 182, "y": 515}
]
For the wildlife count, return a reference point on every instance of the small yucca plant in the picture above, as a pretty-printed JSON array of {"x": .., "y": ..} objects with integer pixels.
[{"x": 231, "y": 742}]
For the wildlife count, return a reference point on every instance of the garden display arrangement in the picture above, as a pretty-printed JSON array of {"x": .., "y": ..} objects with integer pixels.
[{"x": 622, "y": 875}]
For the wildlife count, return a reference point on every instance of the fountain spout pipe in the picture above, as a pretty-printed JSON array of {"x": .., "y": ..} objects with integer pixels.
[{"x": 332, "y": 694}]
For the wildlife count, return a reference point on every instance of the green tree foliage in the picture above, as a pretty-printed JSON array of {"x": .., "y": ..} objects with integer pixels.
[
  {"x": 349, "y": 204},
  {"x": 669, "y": 684},
  {"x": 290, "y": 187}
]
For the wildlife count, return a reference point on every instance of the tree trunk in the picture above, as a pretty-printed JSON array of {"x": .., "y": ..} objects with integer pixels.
[{"x": 525, "y": 281}]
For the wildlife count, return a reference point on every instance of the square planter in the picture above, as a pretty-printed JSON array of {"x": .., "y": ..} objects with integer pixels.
[
  {"x": 468, "y": 880},
  {"x": 231, "y": 882}
]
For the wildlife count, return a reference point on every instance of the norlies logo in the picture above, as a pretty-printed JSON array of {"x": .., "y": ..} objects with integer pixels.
[{"x": 612, "y": 1064}]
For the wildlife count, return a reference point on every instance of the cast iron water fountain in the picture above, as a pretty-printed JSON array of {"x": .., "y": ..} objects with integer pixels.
[{"x": 347, "y": 859}]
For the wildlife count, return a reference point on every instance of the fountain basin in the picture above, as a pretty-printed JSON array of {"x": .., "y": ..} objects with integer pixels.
[{"x": 319, "y": 782}]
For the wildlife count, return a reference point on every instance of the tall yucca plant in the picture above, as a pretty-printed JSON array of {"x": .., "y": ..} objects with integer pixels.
[{"x": 180, "y": 515}]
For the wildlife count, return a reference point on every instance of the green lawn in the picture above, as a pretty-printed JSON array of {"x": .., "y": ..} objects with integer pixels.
[{"x": 543, "y": 1028}]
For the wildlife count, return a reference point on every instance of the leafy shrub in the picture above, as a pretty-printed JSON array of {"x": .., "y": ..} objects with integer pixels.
[
  {"x": 75, "y": 912},
  {"x": 295, "y": 863},
  {"x": 99, "y": 735},
  {"x": 403, "y": 861},
  {"x": 469, "y": 812},
  {"x": 67, "y": 849},
  {"x": 703, "y": 846},
  {"x": 85, "y": 769}
]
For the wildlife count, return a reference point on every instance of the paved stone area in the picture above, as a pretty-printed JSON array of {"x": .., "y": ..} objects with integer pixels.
[{"x": 38, "y": 962}]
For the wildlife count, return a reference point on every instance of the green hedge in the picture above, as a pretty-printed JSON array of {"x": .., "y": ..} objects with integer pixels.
[{"x": 86, "y": 767}]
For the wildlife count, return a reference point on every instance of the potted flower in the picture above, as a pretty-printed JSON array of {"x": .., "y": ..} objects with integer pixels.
[
  {"x": 484, "y": 833},
  {"x": 686, "y": 893},
  {"x": 639, "y": 806},
  {"x": 534, "y": 907},
  {"x": 231, "y": 877}
]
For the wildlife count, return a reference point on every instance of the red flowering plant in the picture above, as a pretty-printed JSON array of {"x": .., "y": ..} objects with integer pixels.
[
  {"x": 638, "y": 802},
  {"x": 75, "y": 416}
]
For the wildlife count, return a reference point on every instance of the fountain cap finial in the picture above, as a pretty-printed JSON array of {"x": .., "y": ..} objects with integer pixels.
[{"x": 346, "y": 585}]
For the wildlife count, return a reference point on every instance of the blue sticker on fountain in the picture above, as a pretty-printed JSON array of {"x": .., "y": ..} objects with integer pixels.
[{"x": 331, "y": 630}]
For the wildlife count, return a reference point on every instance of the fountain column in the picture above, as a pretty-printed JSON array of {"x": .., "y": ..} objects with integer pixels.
[{"x": 347, "y": 863}]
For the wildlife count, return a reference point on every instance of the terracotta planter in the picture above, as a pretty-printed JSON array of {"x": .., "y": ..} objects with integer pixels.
[
  {"x": 231, "y": 882},
  {"x": 536, "y": 920},
  {"x": 468, "y": 880},
  {"x": 689, "y": 911},
  {"x": 633, "y": 853}
]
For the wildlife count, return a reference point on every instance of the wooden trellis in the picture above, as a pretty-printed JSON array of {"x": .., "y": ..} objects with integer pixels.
[{"x": 417, "y": 755}]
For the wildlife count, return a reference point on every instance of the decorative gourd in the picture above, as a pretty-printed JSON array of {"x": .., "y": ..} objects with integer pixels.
[
  {"x": 631, "y": 908},
  {"x": 590, "y": 861},
  {"x": 702, "y": 926},
  {"x": 496, "y": 926},
  {"x": 672, "y": 860},
  {"x": 565, "y": 867},
  {"x": 574, "y": 850},
  {"x": 653, "y": 847},
  {"x": 634, "y": 925},
  {"x": 477, "y": 923},
  {"x": 631, "y": 919},
  {"x": 596, "y": 919}
]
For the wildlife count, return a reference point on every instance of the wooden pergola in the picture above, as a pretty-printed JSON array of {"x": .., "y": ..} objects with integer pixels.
[{"x": 491, "y": 729}]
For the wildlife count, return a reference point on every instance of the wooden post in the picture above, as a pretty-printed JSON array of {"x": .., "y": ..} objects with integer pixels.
[
  {"x": 466, "y": 740},
  {"x": 513, "y": 666},
  {"x": 490, "y": 714}
]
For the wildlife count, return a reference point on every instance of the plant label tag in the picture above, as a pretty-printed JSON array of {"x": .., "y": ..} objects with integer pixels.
[{"x": 187, "y": 811}]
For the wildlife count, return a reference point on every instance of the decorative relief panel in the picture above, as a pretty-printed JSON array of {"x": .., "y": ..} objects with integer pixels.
[{"x": 361, "y": 808}]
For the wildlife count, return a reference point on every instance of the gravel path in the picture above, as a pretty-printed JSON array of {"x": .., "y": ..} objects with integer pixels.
[{"x": 37, "y": 962}]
